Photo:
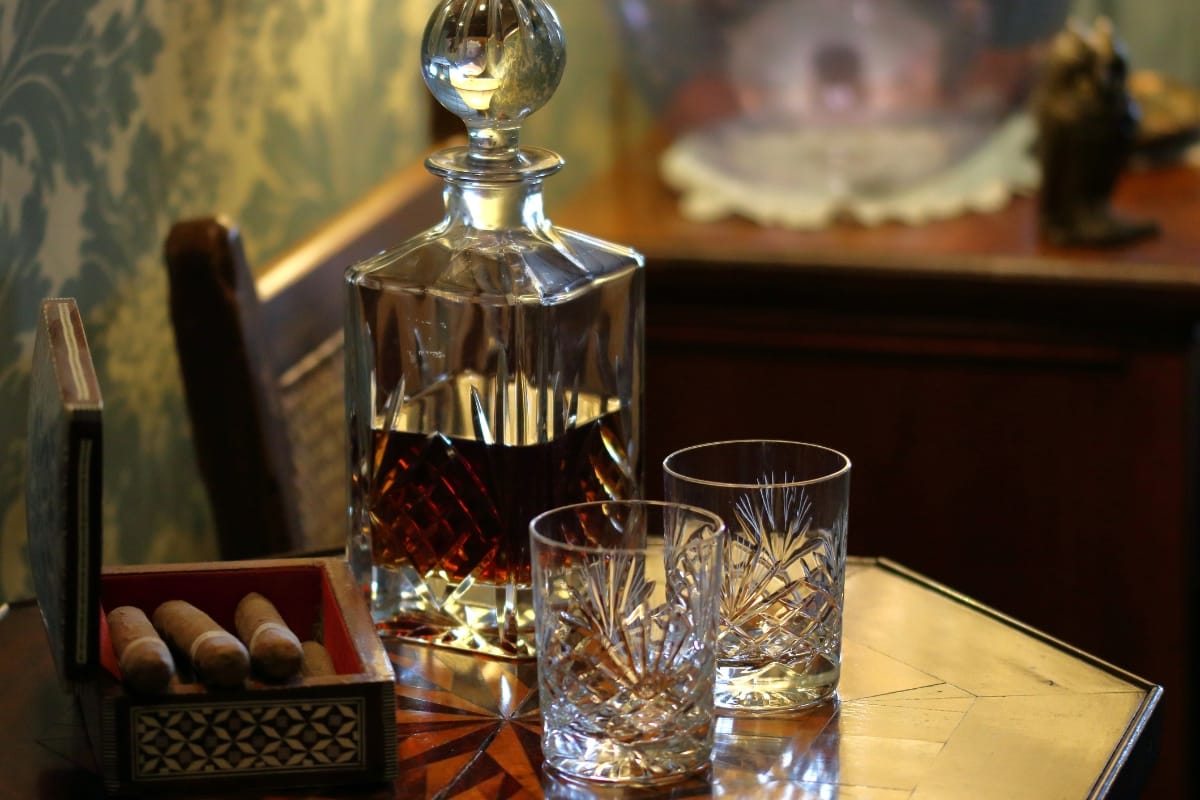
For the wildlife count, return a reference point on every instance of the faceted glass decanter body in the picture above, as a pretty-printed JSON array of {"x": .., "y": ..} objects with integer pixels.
[{"x": 493, "y": 372}]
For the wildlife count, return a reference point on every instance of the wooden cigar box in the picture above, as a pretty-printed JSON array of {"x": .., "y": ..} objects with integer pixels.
[{"x": 323, "y": 731}]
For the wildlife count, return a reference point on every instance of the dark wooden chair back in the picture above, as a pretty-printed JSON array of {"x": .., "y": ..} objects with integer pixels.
[{"x": 262, "y": 366}]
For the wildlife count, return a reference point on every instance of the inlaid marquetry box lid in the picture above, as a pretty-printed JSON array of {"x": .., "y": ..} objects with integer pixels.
[{"x": 62, "y": 489}]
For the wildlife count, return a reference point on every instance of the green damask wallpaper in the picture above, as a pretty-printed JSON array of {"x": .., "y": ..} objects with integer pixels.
[{"x": 119, "y": 116}]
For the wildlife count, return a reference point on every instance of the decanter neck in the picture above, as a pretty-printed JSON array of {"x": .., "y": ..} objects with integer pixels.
[{"x": 495, "y": 205}]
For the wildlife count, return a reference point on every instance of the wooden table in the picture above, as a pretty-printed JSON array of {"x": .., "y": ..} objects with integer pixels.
[
  {"x": 940, "y": 698},
  {"x": 1021, "y": 418}
]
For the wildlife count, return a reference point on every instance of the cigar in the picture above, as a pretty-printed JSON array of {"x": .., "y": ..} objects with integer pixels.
[
  {"x": 275, "y": 651},
  {"x": 216, "y": 655},
  {"x": 317, "y": 662},
  {"x": 145, "y": 661},
  {"x": 183, "y": 684}
]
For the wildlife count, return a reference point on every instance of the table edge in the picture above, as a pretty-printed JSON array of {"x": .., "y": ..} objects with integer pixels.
[{"x": 1143, "y": 725}]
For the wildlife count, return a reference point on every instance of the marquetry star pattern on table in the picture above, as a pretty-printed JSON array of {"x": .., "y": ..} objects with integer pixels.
[
  {"x": 939, "y": 698},
  {"x": 465, "y": 721}
]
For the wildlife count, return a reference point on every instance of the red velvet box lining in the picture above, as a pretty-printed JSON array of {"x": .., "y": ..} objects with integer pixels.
[{"x": 301, "y": 594}]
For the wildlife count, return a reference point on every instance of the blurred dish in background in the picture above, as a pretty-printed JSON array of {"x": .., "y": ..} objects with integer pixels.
[{"x": 793, "y": 112}]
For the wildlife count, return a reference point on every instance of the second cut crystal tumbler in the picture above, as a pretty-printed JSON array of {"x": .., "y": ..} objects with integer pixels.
[
  {"x": 626, "y": 597},
  {"x": 785, "y": 505}
]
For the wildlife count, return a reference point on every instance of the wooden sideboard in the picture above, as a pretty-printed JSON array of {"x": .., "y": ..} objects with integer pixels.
[{"x": 1021, "y": 419}]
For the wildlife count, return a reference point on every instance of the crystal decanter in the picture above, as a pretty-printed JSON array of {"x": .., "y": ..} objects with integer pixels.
[{"x": 494, "y": 362}]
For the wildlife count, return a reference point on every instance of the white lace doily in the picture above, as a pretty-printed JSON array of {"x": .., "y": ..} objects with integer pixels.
[{"x": 770, "y": 177}]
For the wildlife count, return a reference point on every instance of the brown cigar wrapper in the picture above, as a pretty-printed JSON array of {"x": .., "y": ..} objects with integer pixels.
[
  {"x": 145, "y": 661},
  {"x": 219, "y": 660},
  {"x": 275, "y": 651},
  {"x": 317, "y": 663}
]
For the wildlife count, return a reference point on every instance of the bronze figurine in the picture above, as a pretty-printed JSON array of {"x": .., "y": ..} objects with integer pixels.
[{"x": 1087, "y": 124}]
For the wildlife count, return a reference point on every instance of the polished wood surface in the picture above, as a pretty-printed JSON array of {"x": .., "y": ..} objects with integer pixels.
[
  {"x": 1020, "y": 417},
  {"x": 940, "y": 698}
]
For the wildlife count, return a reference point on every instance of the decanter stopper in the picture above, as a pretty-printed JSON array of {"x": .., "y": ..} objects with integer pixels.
[{"x": 492, "y": 63}]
